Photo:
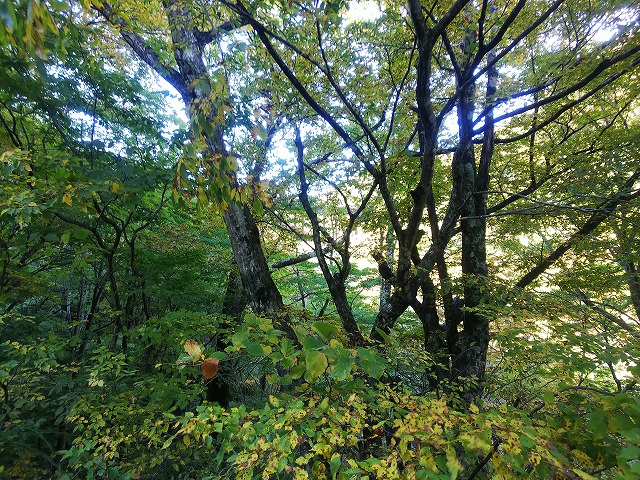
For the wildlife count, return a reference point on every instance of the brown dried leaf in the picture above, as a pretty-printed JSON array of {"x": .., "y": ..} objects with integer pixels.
[{"x": 209, "y": 368}]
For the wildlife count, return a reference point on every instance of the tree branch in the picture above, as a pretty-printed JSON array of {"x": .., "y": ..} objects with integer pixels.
[
  {"x": 603, "y": 213},
  {"x": 299, "y": 258},
  {"x": 599, "y": 69},
  {"x": 143, "y": 49}
]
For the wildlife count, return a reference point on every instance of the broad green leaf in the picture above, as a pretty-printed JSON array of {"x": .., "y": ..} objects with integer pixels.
[
  {"x": 597, "y": 424},
  {"x": 342, "y": 364},
  {"x": 316, "y": 363},
  {"x": 372, "y": 363},
  {"x": 256, "y": 349},
  {"x": 312, "y": 343},
  {"x": 326, "y": 330},
  {"x": 297, "y": 371}
]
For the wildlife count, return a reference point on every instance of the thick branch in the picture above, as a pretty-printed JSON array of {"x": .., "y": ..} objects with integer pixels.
[
  {"x": 299, "y": 258},
  {"x": 143, "y": 49},
  {"x": 599, "y": 216}
]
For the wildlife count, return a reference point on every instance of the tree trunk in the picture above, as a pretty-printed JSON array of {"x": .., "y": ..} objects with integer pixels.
[
  {"x": 262, "y": 294},
  {"x": 633, "y": 281},
  {"x": 472, "y": 343},
  {"x": 387, "y": 242},
  {"x": 335, "y": 282},
  {"x": 234, "y": 303}
]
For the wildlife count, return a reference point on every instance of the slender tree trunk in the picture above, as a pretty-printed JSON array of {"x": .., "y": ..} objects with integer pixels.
[
  {"x": 335, "y": 282},
  {"x": 115, "y": 292},
  {"x": 633, "y": 281},
  {"x": 387, "y": 242},
  {"x": 234, "y": 303},
  {"x": 98, "y": 294}
]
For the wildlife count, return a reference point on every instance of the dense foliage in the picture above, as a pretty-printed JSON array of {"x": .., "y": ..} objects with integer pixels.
[{"x": 319, "y": 239}]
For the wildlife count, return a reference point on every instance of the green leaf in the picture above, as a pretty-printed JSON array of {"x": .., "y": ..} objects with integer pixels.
[
  {"x": 219, "y": 355},
  {"x": 387, "y": 339},
  {"x": 326, "y": 330},
  {"x": 256, "y": 349},
  {"x": 312, "y": 343},
  {"x": 341, "y": 366},
  {"x": 316, "y": 363},
  {"x": 257, "y": 207},
  {"x": 527, "y": 441},
  {"x": 371, "y": 363},
  {"x": 238, "y": 339},
  {"x": 207, "y": 128},
  {"x": 297, "y": 371},
  {"x": 630, "y": 452},
  {"x": 336, "y": 462},
  {"x": 597, "y": 424}
]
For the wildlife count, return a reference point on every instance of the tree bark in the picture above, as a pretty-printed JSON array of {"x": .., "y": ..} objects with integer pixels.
[
  {"x": 234, "y": 303},
  {"x": 262, "y": 294},
  {"x": 633, "y": 280},
  {"x": 388, "y": 243}
]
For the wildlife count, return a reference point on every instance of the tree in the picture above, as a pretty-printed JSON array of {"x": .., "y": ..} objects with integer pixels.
[{"x": 459, "y": 49}]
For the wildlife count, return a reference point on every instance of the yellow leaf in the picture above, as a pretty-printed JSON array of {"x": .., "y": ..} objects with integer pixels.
[
  {"x": 41, "y": 53},
  {"x": 66, "y": 198},
  {"x": 193, "y": 349},
  {"x": 115, "y": 187}
]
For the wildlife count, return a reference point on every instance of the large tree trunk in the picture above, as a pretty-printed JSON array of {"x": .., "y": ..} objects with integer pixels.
[
  {"x": 196, "y": 83},
  {"x": 262, "y": 293},
  {"x": 472, "y": 343}
]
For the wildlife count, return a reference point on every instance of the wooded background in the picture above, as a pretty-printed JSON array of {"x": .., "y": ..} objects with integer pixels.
[{"x": 319, "y": 239}]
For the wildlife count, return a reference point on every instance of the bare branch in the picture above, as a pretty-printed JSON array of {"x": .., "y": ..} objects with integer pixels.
[{"x": 298, "y": 259}]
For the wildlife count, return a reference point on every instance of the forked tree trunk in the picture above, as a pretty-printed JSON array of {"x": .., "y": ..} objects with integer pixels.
[{"x": 195, "y": 85}]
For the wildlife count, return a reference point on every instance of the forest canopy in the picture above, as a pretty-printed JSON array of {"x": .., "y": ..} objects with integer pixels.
[{"x": 320, "y": 239}]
